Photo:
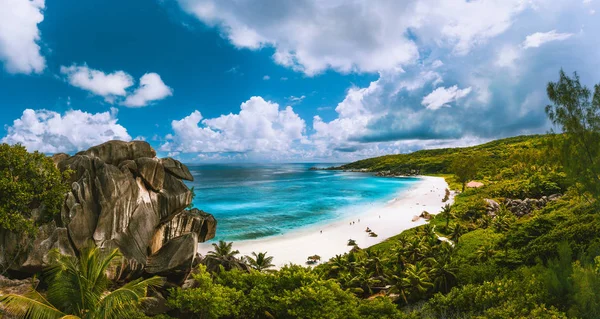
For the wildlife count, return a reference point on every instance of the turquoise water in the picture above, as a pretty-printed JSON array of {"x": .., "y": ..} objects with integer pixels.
[{"x": 254, "y": 201}]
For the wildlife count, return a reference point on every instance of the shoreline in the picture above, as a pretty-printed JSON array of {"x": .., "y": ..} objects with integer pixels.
[{"x": 386, "y": 221}]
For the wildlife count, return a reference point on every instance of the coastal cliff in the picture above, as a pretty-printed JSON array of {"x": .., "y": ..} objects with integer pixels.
[{"x": 121, "y": 196}]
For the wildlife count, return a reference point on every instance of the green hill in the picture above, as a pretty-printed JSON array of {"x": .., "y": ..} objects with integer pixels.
[{"x": 495, "y": 155}]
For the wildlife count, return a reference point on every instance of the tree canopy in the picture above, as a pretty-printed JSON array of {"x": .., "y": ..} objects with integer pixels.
[{"x": 32, "y": 189}]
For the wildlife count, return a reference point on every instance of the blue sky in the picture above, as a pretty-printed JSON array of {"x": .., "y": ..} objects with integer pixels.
[{"x": 306, "y": 80}]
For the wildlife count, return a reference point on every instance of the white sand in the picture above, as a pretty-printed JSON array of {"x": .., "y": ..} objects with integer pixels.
[{"x": 387, "y": 220}]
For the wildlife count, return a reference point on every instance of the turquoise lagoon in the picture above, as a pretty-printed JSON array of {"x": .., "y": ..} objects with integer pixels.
[{"x": 254, "y": 201}]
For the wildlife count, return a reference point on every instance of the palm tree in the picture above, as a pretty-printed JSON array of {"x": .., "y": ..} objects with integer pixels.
[
  {"x": 374, "y": 262},
  {"x": 447, "y": 212},
  {"x": 443, "y": 270},
  {"x": 416, "y": 277},
  {"x": 428, "y": 231},
  {"x": 455, "y": 232},
  {"x": 260, "y": 261},
  {"x": 416, "y": 249},
  {"x": 485, "y": 252},
  {"x": 223, "y": 255},
  {"x": 79, "y": 288},
  {"x": 398, "y": 286}
]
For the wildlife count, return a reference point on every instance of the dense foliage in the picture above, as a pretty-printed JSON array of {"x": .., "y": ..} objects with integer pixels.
[
  {"x": 31, "y": 189},
  {"x": 292, "y": 292},
  {"x": 80, "y": 288}
]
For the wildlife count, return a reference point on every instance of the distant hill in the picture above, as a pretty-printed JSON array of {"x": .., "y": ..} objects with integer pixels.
[{"x": 494, "y": 155}]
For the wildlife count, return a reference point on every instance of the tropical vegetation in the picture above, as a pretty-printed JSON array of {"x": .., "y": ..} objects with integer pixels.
[
  {"x": 472, "y": 260},
  {"x": 81, "y": 288}
]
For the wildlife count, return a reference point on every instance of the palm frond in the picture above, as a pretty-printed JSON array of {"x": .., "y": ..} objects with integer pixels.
[
  {"x": 118, "y": 303},
  {"x": 32, "y": 305}
]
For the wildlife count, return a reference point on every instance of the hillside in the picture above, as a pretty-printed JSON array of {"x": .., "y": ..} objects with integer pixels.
[{"x": 495, "y": 155}]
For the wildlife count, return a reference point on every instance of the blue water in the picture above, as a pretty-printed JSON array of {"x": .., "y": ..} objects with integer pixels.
[{"x": 254, "y": 201}]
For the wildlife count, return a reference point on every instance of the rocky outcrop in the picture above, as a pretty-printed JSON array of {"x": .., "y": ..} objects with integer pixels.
[
  {"x": 411, "y": 172},
  {"x": 193, "y": 221},
  {"x": 492, "y": 207},
  {"x": 16, "y": 286},
  {"x": 519, "y": 207},
  {"x": 122, "y": 197}
]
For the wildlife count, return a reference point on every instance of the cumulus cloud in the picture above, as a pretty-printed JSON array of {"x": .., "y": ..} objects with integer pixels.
[
  {"x": 260, "y": 127},
  {"x": 107, "y": 85},
  {"x": 537, "y": 39},
  {"x": 364, "y": 36},
  {"x": 75, "y": 130},
  {"x": 442, "y": 96},
  {"x": 490, "y": 76},
  {"x": 151, "y": 88},
  {"x": 114, "y": 86},
  {"x": 20, "y": 36}
]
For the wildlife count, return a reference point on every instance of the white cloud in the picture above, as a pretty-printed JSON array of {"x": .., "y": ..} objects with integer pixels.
[
  {"x": 442, "y": 96},
  {"x": 114, "y": 86},
  {"x": 107, "y": 85},
  {"x": 75, "y": 130},
  {"x": 466, "y": 24},
  {"x": 507, "y": 56},
  {"x": 266, "y": 77},
  {"x": 296, "y": 99},
  {"x": 151, "y": 88},
  {"x": 436, "y": 64},
  {"x": 365, "y": 36},
  {"x": 260, "y": 127},
  {"x": 537, "y": 39},
  {"x": 20, "y": 36}
]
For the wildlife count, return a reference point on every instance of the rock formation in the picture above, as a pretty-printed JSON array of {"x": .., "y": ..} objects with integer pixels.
[
  {"x": 519, "y": 207},
  {"x": 122, "y": 196}
]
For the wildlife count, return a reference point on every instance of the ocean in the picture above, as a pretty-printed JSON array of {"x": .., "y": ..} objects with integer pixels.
[{"x": 252, "y": 201}]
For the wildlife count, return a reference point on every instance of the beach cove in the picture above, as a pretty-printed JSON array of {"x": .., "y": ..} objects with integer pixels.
[{"x": 329, "y": 239}]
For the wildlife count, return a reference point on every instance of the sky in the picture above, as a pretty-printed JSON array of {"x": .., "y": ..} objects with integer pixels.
[{"x": 286, "y": 80}]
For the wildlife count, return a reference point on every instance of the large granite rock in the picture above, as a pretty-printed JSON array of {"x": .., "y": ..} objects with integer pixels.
[
  {"x": 177, "y": 169},
  {"x": 122, "y": 197},
  {"x": 195, "y": 221}
]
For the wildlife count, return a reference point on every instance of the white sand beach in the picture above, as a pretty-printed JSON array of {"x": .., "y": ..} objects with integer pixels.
[{"x": 386, "y": 220}]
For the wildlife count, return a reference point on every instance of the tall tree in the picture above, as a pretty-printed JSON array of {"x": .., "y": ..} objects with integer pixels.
[
  {"x": 79, "y": 288},
  {"x": 447, "y": 213},
  {"x": 465, "y": 169},
  {"x": 577, "y": 114}
]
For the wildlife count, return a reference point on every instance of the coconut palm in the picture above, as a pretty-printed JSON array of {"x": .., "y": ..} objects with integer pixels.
[
  {"x": 447, "y": 212},
  {"x": 374, "y": 262},
  {"x": 416, "y": 277},
  {"x": 428, "y": 231},
  {"x": 79, "y": 288},
  {"x": 223, "y": 255},
  {"x": 456, "y": 231},
  {"x": 485, "y": 253},
  {"x": 260, "y": 261},
  {"x": 416, "y": 249},
  {"x": 443, "y": 271},
  {"x": 398, "y": 286}
]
